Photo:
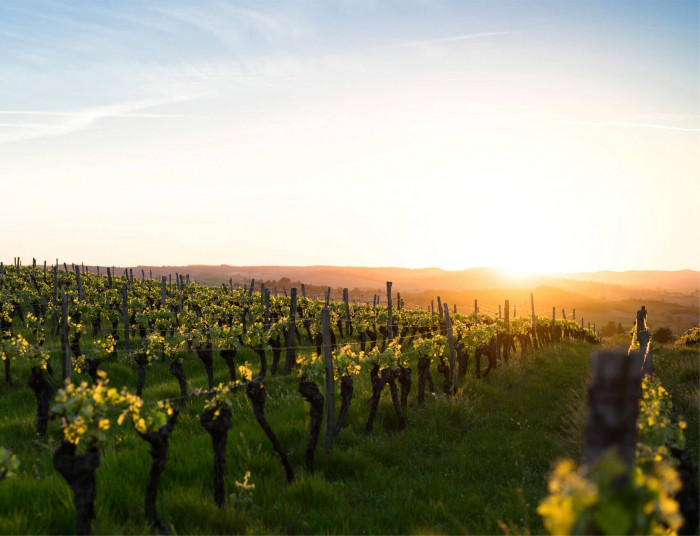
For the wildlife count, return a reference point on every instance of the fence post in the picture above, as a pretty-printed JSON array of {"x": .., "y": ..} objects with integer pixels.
[
  {"x": 347, "y": 311},
  {"x": 330, "y": 386},
  {"x": 476, "y": 306},
  {"x": 506, "y": 309},
  {"x": 440, "y": 308},
  {"x": 163, "y": 282},
  {"x": 66, "y": 364},
  {"x": 613, "y": 404},
  {"x": 451, "y": 346},
  {"x": 109, "y": 277},
  {"x": 644, "y": 339},
  {"x": 389, "y": 330},
  {"x": 290, "y": 357},
  {"x": 80, "y": 283},
  {"x": 534, "y": 321},
  {"x": 125, "y": 306},
  {"x": 303, "y": 290}
]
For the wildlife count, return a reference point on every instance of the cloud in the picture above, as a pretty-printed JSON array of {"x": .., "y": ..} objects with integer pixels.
[
  {"x": 631, "y": 125},
  {"x": 453, "y": 39},
  {"x": 66, "y": 122}
]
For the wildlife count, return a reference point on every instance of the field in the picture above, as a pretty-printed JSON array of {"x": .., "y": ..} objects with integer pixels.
[{"x": 473, "y": 461}]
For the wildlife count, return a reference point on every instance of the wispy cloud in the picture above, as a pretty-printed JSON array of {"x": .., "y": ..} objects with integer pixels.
[
  {"x": 631, "y": 125},
  {"x": 67, "y": 122},
  {"x": 452, "y": 39}
]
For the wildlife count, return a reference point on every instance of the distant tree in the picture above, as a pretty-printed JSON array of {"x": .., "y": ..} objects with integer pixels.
[
  {"x": 608, "y": 330},
  {"x": 620, "y": 329},
  {"x": 663, "y": 336}
]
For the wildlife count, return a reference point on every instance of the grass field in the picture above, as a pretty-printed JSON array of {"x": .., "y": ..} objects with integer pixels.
[
  {"x": 473, "y": 464},
  {"x": 469, "y": 464}
]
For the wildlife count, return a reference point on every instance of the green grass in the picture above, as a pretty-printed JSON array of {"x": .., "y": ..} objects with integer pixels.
[
  {"x": 475, "y": 463},
  {"x": 678, "y": 369}
]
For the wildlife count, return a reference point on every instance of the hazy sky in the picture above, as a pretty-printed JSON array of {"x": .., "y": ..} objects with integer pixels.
[{"x": 538, "y": 135}]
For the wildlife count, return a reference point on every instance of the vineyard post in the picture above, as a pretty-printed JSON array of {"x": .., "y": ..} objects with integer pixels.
[
  {"x": 554, "y": 320},
  {"x": 18, "y": 263},
  {"x": 98, "y": 271},
  {"x": 454, "y": 307},
  {"x": 109, "y": 277},
  {"x": 507, "y": 311},
  {"x": 398, "y": 300},
  {"x": 79, "y": 282},
  {"x": 55, "y": 285},
  {"x": 330, "y": 386},
  {"x": 125, "y": 307},
  {"x": 613, "y": 404},
  {"x": 440, "y": 308},
  {"x": 432, "y": 307},
  {"x": 150, "y": 274},
  {"x": 290, "y": 358},
  {"x": 499, "y": 310},
  {"x": 44, "y": 270},
  {"x": 180, "y": 304},
  {"x": 2, "y": 269},
  {"x": 33, "y": 262},
  {"x": 262, "y": 290},
  {"x": 250, "y": 289},
  {"x": 66, "y": 364},
  {"x": 303, "y": 290},
  {"x": 170, "y": 282},
  {"x": 65, "y": 267},
  {"x": 451, "y": 346},
  {"x": 131, "y": 275},
  {"x": 389, "y": 333},
  {"x": 285, "y": 291},
  {"x": 563, "y": 314},
  {"x": 187, "y": 279},
  {"x": 573, "y": 315},
  {"x": 534, "y": 321},
  {"x": 476, "y": 306},
  {"x": 266, "y": 305},
  {"x": 143, "y": 275},
  {"x": 162, "y": 292},
  {"x": 230, "y": 284},
  {"x": 275, "y": 292},
  {"x": 581, "y": 322},
  {"x": 126, "y": 274},
  {"x": 347, "y": 310},
  {"x": 328, "y": 296}
]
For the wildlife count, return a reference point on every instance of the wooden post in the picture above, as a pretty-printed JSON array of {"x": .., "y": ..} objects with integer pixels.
[
  {"x": 581, "y": 322},
  {"x": 230, "y": 284},
  {"x": 534, "y": 320},
  {"x": 125, "y": 306},
  {"x": 476, "y": 306},
  {"x": 80, "y": 283},
  {"x": 440, "y": 308},
  {"x": 98, "y": 271},
  {"x": 66, "y": 364},
  {"x": 563, "y": 314},
  {"x": 644, "y": 342},
  {"x": 389, "y": 331},
  {"x": 150, "y": 274},
  {"x": 290, "y": 358},
  {"x": 432, "y": 307},
  {"x": 328, "y": 296},
  {"x": 573, "y": 315},
  {"x": 303, "y": 290},
  {"x": 330, "y": 386},
  {"x": 131, "y": 275},
  {"x": 613, "y": 404},
  {"x": 170, "y": 282},
  {"x": 180, "y": 303},
  {"x": 109, "y": 277},
  {"x": 506, "y": 309},
  {"x": 55, "y": 285},
  {"x": 398, "y": 300},
  {"x": 455, "y": 308},
  {"x": 162, "y": 292},
  {"x": 451, "y": 346},
  {"x": 499, "y": 311},
  {"x": 65, "y": 267},
  {"x": 347, "y": 311},
  {"x": 33, "y": 262}
]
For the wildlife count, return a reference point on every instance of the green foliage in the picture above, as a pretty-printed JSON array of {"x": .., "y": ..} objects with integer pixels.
[
  {"x": 9, "y": 464},
  {"x": 691, "y": 337}
]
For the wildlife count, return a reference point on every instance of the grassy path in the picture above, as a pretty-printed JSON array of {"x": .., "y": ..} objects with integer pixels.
[{"x": 473, "y": 464}]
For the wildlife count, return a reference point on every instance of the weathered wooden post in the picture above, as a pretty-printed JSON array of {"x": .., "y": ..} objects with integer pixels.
[
  {"x": 290, "y": 357},
  {"x": 563, "y": 314},
  {"x": 347, "y": 311},
  {"x": 440, "y": 308},
  {"x": 389, "y": 331},
  {"x": 534, "y": 321},
  {"x": 506, "y": 309},
  {"x": 55, "y": 285},
  {"x": 330, "y": 386},
  {"x": 109, "y": 277},
  {"x": 499, "y": 311},
  {"x": 432, "y": 307},
  {"x": 230, "y": 284},
  {"x": 644, "y": 339},
  {"x": 303, "y": 290},
  {"x": 125, "y": 307},
  {"x": 80, "y": 283},
  {"x": 66, "y": 364},
  {"x": 476, "y": 306},
  {"x": 163, "y": 282},
  {"x": 573, "y": 315},
  {"x": 143, "y": 275},
  {"x": 613, "y": 404},
  {"x": 451, "y": 346},
  {"x": 328, "y": 296}
]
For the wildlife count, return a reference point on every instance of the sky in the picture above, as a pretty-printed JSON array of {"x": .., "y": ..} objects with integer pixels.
[{"x": 536, "y": 136}]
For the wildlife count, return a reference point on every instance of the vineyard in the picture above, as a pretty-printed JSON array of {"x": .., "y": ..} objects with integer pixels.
[{"x": 130, "y": 404}]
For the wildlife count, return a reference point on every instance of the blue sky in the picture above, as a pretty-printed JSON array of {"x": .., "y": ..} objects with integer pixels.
[{"x": 349, "y": 107}]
